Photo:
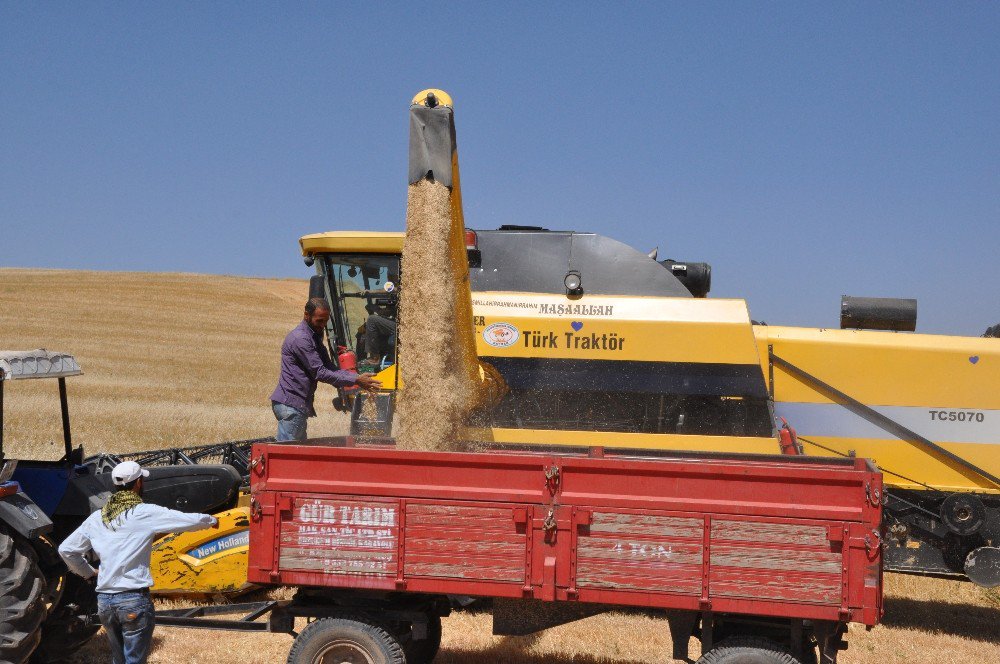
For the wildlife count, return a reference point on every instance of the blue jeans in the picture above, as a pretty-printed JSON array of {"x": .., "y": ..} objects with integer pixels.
[
  {"x": 291, "y": 422},
  {"x": 128, "y": 620}
]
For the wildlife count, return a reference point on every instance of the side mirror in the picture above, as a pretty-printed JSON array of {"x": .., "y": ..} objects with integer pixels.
[{"x": 317, "y": 286}]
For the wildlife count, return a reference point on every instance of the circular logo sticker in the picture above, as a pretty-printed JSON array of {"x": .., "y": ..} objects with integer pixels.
[{"x": 501, "y": 335}]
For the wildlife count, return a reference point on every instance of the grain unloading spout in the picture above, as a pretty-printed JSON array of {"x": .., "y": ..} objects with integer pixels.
[
  {"x": 433, "y": 154},
  {"x": 443, "y": 376}
]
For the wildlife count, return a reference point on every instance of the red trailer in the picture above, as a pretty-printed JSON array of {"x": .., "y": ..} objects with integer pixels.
[{"x": 764, "y": 559}]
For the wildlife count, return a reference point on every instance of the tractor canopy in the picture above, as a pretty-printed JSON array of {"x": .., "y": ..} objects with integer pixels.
[{"x": 40, "y": 363}]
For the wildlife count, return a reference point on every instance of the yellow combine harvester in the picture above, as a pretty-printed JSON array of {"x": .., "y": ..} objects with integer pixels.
[
  {"x": 593, "y": 338},
  {"x": 588, "y": 342}
]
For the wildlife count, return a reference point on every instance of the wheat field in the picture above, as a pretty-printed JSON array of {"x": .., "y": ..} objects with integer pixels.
[{"x": 182, "y": 359}]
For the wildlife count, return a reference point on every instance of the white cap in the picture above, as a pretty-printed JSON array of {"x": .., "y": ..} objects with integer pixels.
[{"x": 127, "y": 471}]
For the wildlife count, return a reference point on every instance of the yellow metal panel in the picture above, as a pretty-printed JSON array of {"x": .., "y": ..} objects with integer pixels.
[
  {"x": 458, "y": 260},
  {"x": 443, "y": 98},
  {"x": 388, "y": 377},
  {"x": 205, "y": 562},
  {"x": 651, "y": 329},
  {"x": 734, "y": 444},
  {"x": 898, "y": 458},
  {"x": 886, "y": 368},
  {"x": 917, "y": 380},
  {"x": 352, "y": 242}
]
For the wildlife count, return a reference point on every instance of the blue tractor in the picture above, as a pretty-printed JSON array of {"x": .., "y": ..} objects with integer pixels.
[
  {"x": 45, "y": 611},
  {"x": 34, "y": 585}
]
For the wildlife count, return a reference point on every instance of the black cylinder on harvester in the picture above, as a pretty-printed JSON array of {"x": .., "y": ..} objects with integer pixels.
[{"x": 878, "y": 313}]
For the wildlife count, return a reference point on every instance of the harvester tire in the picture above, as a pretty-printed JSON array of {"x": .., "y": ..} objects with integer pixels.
[
  {"x": 22, "y": 599},
  {"x": 347, "y": 638},
  {"x": 748, "y": 650}
]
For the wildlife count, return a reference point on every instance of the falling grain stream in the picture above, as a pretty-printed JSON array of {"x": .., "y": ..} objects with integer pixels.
[{"x": 436, "y": 397}]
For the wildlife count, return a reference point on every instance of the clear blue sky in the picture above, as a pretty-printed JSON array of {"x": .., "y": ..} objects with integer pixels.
[{"x": 806, "y": 150}]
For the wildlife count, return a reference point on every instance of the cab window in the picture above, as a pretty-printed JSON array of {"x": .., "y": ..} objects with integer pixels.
[{"x": 365, "y": 293}]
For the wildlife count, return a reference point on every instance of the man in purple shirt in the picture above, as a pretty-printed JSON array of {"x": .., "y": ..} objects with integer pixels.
[{"x": 304, "y": 362}]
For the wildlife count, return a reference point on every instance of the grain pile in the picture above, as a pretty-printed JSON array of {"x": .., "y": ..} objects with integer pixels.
[{"x": 437, "y": 392}]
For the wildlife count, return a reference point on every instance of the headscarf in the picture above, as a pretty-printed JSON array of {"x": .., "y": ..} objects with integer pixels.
[{"x": 119, "y": 503}]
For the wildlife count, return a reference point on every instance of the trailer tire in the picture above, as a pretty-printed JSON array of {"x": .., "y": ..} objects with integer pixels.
[
  {"x": 425, "y": 650},
  {"x": 349, "y": 638},
  {"x": 22, "y": 599},
  {"x": 748, "y": 650}
]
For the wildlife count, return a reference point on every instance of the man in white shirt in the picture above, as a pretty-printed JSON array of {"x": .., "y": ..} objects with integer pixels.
[{"x": 122, "y": 534}]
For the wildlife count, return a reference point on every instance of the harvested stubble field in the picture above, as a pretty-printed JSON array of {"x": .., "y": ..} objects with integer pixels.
[{"x": 178, "y": 359}]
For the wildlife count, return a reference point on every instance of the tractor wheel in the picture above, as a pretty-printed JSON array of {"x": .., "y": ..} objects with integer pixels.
[
  {"x": 22, "y": 599},
  {"x": 65, "y": 630},
  {"x": 748, "y": 650},
  {"x": 348, "y": 639}
]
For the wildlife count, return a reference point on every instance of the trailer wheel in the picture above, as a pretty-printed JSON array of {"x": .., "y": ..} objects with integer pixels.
[
  {"x": 22, "y": 594},
  {"x": 350, "y": 639},
  {"x": 748, "y": 650},
  {"x": 425, "y": 650}
]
